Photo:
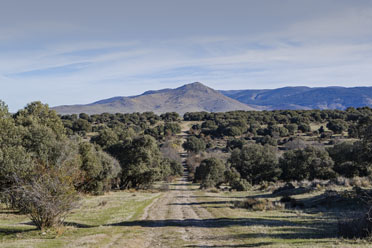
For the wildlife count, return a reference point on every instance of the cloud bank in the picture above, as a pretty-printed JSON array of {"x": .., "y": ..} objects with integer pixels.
[{"x": 82, "y": 51}]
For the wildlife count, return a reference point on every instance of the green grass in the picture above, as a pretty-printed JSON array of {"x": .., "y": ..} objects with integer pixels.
[
  {"x": 275, "y": 228},
  {"x": 97, "y": 223},
  {"x": 91, "y": 225}
]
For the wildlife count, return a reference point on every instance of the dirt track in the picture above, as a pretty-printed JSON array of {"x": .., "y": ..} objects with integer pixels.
[
  {"x": 177, "y": 214},
  {"x": 177, "y": 219}
]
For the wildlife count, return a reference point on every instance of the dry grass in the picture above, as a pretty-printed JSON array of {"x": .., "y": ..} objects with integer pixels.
[
  {"x": 92, "y": 225},
  {"x": 97, "y": 222}
]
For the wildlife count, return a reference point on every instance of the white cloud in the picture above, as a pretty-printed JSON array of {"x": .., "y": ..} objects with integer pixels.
[{"x": 334, "y": 49}]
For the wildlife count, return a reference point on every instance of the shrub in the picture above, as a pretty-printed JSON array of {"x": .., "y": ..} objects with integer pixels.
[
  {"x": 47, "y": 197},
  {"x": 98, "y": 169},
  {"x": 176, "y": 168},
  {"x": 140, "y": 160},
  {"x": 193, "y": 144},
  {"x": 240, "y": 185},
  {"x": 210, "y": 173},
  {"x": 310, "y": 163},
  {"x": 337, "y": 126},
  {"x": 350, "y": 159},
  {"x": 235, "y": 143},
  {"x": 256, "y": 163},
  {"x": 232, "y": 177},
  {"x": 257, "y": 204}
]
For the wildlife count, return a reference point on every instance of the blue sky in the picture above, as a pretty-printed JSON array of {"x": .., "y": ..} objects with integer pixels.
[{"x": 80, "y": 51}]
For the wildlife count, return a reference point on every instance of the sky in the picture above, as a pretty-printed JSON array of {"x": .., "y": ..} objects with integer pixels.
[{"x": 81, "y": 51}]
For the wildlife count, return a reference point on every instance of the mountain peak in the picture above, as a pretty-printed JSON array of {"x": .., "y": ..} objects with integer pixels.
[
  {"x": 194, "y": 97},
  {"x": 195, "y": 86}
]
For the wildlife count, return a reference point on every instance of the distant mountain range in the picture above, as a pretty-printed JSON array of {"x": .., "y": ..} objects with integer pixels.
[
  {"x": 198, "y": 97},
  {"x": 304, "y": 97},
  {"x": 188, "y": 98}
]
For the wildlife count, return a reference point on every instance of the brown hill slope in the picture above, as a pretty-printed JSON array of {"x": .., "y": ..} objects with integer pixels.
[{"x": 188, "y": 98}]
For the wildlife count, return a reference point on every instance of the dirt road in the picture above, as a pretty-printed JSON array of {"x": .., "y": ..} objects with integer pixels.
[{"x": 177, "y": 217}]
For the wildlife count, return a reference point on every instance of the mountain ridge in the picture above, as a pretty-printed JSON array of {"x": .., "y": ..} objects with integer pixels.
[
  {"x": 192, "y": 97},
  {"x": 197, "y": 97},
  {"x": 302, "y": 97}
]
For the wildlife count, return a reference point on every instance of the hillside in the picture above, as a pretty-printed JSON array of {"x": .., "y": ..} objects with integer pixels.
[
  {"x": 304, "y": 97},
  {"x": 188, "y": 98},
  {"x": 198, "y": 97}
]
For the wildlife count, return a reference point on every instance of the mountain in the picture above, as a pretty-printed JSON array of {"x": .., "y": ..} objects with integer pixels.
[
  {"x": 304, "y": 97},
  {"x": 188, "y": 98},
  {"x": 198, "y": 97}
]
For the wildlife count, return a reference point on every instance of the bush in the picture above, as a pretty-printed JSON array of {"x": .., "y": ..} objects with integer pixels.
[
  {"x": 256, "y": 163},
  {"x": 193, "y": 144},
  {"x": 210, "y": 173},
  {"x": 140, "y": 160},
  {"x": 176, "y": 168},
  {"x": 98, "y": 169},
  {"x": 337, "y": 126},
  {"x": 350, "y": 160},
  {"x": 232, "y": 177},
  {"x": 310, "y": 163},
  {"x": 257, "y": 204},
  {"x": 240, "y": 185},
  {"x": 47, "y": 197},
  {"x": 235, "y": 143}
]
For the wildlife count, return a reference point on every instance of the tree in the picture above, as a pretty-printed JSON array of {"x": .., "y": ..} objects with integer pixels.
[
  {"x": 140, "y": 160},
  {"x": 98, "y": 169},
  {"x": 38, "y": 113},
  {"x": 170, "y": 116},
  {"x": 210, "y": 173},
  {"x": 171, "y": 128},
  {"x": 337, "y": 126},
  {"x": 303, "y": 127},
  {"x": 193, "y": 144},
  {"x": 15, "y": 162},
  {"x": 81, "y": 125},
  {"x": 308, "y": 163},
  {"x": 256, "y": 163},
  {"x": 106, "y": 138},
  {"x": 233, "y": 178}
]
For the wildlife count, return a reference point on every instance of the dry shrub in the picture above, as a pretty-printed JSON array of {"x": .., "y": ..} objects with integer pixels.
[
  {"x": 193, "y": 161},
  {"x": 47, "y": 197},
  {"x": 216, "y": 154},
  {"x": 257, "y": 204},
  {"x": 360, "y": 182},
  {"x": 170, "y": 151},
  {"x": 272, "y": 186}
]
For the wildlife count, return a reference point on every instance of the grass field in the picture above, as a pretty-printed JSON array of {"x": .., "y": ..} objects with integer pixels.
[
  {"x": 88, "y": 226},
  {"x": 184, "y": 216}
]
